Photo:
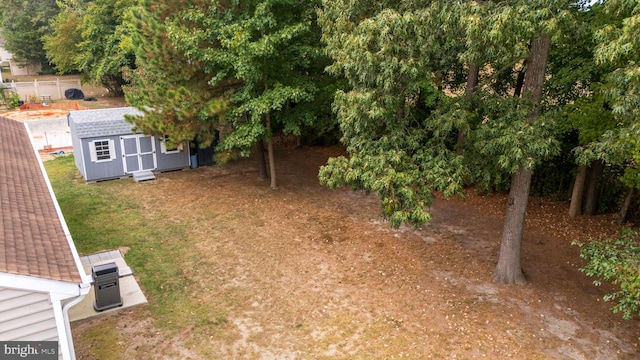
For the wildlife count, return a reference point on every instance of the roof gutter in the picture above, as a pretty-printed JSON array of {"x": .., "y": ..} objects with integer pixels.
[{"x": 84, "y": 290}]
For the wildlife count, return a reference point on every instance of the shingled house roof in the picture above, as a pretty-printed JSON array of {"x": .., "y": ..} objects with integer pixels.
[
  {"x": 33, "y": 241},
  {"x": 101, "y": 122}
]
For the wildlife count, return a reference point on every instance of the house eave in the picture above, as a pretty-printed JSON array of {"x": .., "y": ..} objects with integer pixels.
[{"x": 59, "y": 290}]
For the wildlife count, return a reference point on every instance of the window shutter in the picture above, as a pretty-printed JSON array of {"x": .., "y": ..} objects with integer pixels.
[
  {"x": 92, "y": 151},
  {"x": 163, "y": 145},
  {"x": 112, "y": 149}
]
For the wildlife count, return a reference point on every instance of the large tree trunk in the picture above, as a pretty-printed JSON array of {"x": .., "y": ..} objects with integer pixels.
[
  {"x": 625, "y": 207},
  {"x": 472, "y": 84},
  {"x": 508, "y": 269},
  {"x": 272, "y": 162},
  {"x": 591, "y": 195},
  {"x": 575, "y": 209}
]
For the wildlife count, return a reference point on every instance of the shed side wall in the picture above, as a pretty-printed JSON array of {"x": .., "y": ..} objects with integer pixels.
[
  {"x": 77, "y": 147},
  {"x": 168, "y": 162},
  {"x": 97, "y": 171}
]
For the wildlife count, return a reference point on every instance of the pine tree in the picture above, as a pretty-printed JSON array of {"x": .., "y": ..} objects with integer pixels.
[
  {"x": 252, "y": 65},
  {"x": 171, "y": 90}
]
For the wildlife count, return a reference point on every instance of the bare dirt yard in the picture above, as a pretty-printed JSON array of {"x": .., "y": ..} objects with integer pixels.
[
  {"x": 304, "y": 272},
  {"x": 58, "y": 108}
]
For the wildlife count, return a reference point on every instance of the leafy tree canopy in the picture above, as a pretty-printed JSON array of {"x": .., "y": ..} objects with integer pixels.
[
  {"x": 404, "y": 61},
  {"x": 619, "y": 45},
  {"x": 92, "y": 37},
  {"x": 61, "y": 44},
  {"x": 616, "y": 50},
  {"x": 264, "y": 48},
  {"x": 24, "y": 23}
]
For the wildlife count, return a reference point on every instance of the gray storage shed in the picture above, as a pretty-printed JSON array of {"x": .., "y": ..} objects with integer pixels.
[{"x": 106, "y": 146}]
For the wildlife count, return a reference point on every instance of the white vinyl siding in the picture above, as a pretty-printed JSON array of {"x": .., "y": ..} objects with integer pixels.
[
  {"x": 26, "y": 316},
  {"x": 102, "y": 150}
]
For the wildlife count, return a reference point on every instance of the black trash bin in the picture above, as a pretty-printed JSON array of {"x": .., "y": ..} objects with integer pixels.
[{"x": 106, "y": 286}]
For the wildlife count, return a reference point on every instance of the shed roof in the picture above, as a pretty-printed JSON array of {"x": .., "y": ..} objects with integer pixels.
[
  {"x": 102, "y": 122},
  {"x": 33, "y": 241}
]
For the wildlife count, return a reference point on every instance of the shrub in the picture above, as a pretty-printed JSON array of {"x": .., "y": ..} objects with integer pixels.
[
  {"x": 33, "y": 99},
  {"x": 14, "y": 100},
  {"x": 618, "y": 262}
]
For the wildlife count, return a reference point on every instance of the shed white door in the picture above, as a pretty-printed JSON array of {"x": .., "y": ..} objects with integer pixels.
[{"x": 138, "y": 153}]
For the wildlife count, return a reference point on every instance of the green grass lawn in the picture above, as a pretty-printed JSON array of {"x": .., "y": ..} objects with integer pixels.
[{"x": 101, "y": 218}]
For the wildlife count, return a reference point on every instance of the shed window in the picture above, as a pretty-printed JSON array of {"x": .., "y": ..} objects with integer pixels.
[
  {"x": 165, "y": 149},
  {"x": 102, "y": 150}
]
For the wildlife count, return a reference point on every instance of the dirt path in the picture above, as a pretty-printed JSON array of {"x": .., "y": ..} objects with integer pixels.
[{"x": 304, "y": 272}]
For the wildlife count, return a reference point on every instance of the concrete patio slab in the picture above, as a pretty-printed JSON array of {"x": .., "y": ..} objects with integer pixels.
[{"x": 129, "y": 289}]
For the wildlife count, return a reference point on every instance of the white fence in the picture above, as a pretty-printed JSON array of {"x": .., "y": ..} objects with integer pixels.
[{"x": 54, "y": 89}]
